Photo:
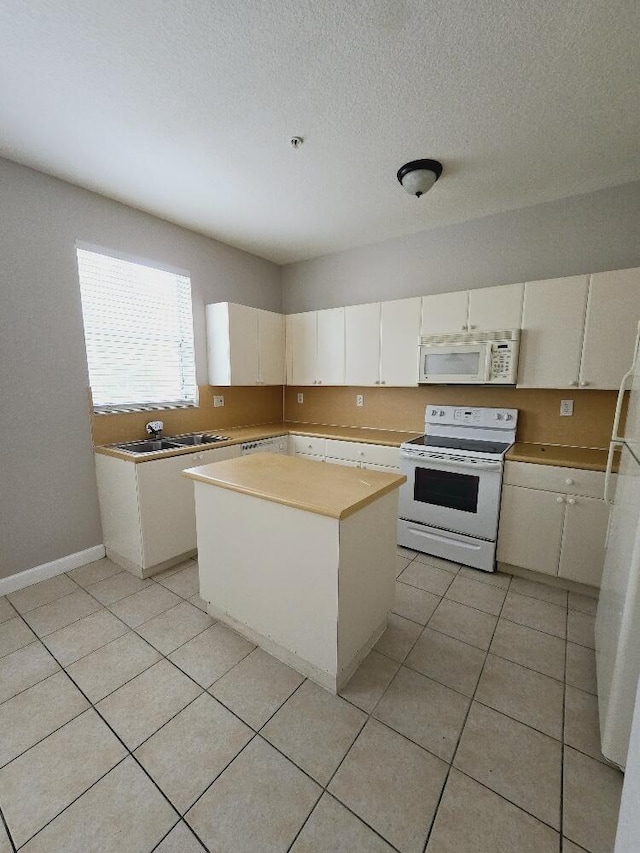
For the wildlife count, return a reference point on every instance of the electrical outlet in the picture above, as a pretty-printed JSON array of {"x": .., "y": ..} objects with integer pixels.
[
  {"x": 566, "y": 408},
  {"x": 218, "y": 401},
  {"x": 300, "y": 397},
  {"x": 359, "y": 399}
]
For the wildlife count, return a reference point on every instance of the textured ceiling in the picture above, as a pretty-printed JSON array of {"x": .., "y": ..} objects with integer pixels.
[{"x": 184, "y": 108}]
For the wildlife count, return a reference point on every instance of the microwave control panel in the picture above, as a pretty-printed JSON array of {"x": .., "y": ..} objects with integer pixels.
[{"x": 503, "y": 363}]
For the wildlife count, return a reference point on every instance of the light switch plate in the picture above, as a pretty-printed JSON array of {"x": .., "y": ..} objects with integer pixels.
[
  {"x": 218, "y": 401},
  {"x": 566, "y": 408},
  {"x": 359, "y": 399},
  {"x": 300, "y": 397}
]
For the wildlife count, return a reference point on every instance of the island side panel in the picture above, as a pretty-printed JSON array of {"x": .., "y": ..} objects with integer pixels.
[
  {"x": 366, "y": 580},
  {"x": 271, "y": 572}
]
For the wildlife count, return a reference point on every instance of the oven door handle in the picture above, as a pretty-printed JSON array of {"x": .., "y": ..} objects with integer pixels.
[{"x": 452, "y": 463}]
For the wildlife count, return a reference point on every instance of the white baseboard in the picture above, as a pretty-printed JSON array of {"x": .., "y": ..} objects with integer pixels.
[{"x": 50, "y": 570}]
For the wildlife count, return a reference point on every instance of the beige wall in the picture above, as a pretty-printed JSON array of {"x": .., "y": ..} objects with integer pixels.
[
  {"x": 582, "y": 234},
  {"x": 48, "y": 499},
  {"x": 539, "y": 417}
]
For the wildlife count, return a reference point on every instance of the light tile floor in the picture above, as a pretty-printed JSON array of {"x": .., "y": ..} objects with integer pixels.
[{"x": 131, "y": 721}]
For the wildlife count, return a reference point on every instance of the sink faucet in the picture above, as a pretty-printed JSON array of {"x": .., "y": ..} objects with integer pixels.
[{"x": 154, "y": 429}]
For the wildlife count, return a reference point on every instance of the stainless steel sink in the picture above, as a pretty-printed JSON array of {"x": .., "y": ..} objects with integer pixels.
[
  {"x": 148, "y": 446},
  {"x": 197, "y": 439},
  {"x": 174, "y": 442}
]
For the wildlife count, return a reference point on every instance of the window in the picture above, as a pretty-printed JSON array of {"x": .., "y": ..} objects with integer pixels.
[{"x": 138, "y": 329}]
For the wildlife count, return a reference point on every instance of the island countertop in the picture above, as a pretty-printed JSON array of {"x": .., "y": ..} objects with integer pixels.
[{"x": 336, "y": 491}]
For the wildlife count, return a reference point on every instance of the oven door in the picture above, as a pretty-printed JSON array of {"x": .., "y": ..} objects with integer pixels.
[
  {"x": 455, "y": 363},
  {"x": 460, "y": 494}
]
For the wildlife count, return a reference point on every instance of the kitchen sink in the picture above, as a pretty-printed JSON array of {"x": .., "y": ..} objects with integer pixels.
[
  {"x": 148, "y": 446},
  {"x": 197, "y": 438},
  {"x": 175, "y": 442}
]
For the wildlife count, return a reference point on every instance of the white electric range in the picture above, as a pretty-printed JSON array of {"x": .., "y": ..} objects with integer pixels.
[{"x": 450, "y": 504}]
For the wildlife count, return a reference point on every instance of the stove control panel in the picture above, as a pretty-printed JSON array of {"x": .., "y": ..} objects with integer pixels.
[{"x": 475, "y": 416}]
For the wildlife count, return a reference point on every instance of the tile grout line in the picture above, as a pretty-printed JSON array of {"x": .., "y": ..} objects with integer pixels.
[
  {"x": 4, "y": 823},
  {"x": 462, "y": 728},
  {"x": 563, "y": 724}
]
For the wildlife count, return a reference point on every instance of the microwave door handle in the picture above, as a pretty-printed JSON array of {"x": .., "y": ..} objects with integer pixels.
[{"x": 487, "y": 362}]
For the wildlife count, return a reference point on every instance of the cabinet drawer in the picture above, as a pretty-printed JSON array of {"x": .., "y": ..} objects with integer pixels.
[
  {"x": 377, "y": 454},
  {"x": 550, "y": 478},
  {"x": 308, "y": 445}
]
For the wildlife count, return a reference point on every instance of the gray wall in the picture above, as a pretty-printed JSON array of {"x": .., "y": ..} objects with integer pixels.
[
  {"x": 581, "y": 234},
  {"x": 48, "y": 499}
]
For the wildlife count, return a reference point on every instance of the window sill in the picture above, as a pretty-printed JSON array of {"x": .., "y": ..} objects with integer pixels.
[{"x": 143, "y": 407}]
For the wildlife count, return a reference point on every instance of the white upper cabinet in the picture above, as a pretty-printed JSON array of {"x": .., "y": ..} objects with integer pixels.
[
  {"x": 382, "y": 341},
  {"x": 245, "y": 346},
  {"x": 270, "y": 348},
  {"x": 552, "y": 324},
  {"x": 445, "y": 313},
  {"x": 362, "y": 344},
  {"x": 399, "y": 341},
  {"x": 302, "y": 346},
  {"x": 315, "y": 347},
  {"x": 495, "y": 308},
  {"x": 330, "y": 350},
  {"x": 613, "y": 312}
]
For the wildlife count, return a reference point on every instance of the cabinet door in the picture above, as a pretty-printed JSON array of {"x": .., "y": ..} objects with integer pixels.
[
  {"x": 362, "y": 344},
  {"x": 302, "y": 345},
  {"x": 399, "y": 342},
  {"x": 167, "y": 508},
  {"x": 271, "y": 348},
  {"x": 330, "y": 365},
  {"x": 530, "y": 530},
  {"x": 613, "y": 311},
  {"x": 496, "y": 308},
  {"x": 243, "y": 344},
  {"x": 583, "y": 538},
  {"x": 445, "y": 313},
  {"x": 552, "y": 324}
]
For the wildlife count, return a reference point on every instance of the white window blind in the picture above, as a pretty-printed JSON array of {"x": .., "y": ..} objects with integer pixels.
[{"x": 138, "y": 328}]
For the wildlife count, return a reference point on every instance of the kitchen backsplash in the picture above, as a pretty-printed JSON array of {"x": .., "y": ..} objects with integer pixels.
[
  {"x": 539, "y": 417},
  {"x": 242, "y": 407}
]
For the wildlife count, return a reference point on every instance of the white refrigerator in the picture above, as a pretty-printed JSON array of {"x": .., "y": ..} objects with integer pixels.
[{"x": 618, "y": 617}]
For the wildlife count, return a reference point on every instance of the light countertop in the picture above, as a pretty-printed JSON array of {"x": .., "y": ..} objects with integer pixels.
[
  {"x": 587, "y": 458},
  {"x": 238, "y": 435},
  {"x": 332, "y": 490}
]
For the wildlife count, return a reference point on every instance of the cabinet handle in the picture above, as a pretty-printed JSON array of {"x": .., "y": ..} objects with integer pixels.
[
  {"x": 568, "y": 482},
  {"x": 559, "y": 500},
  {"x": 384, "y": 382},
  {"x": 463, "y": 328},
  {"x": 573, "y": 384},
  {"x": 571, "y": 501},
  {"x": 377, "y": 382},
  {"x": 361, "y": 452},
  {"x": 319, "y": 381},
  {"x": 472, "y": 327},
  {"x": 584, "y": 384}
]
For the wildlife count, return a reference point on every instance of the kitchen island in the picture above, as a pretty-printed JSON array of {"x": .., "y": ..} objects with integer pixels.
[{"x": 299, "y": 557}]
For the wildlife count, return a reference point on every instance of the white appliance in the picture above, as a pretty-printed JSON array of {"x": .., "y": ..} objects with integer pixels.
[
  {"x": 477, "y": 358},
  {"x": 618, "y": 617},
  {"x": 277, "y": 444},
  {"x": 450, "y": 504}
]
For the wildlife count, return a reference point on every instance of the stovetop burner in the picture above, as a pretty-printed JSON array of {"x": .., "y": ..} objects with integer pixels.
[{"x": 463, "y": 444}]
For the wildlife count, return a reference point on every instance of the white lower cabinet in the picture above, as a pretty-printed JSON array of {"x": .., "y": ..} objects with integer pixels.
[
  {"x": 147, "y": 508},
  {"x": 354, "y": 454},
  {"x": 548, "y": 524}
]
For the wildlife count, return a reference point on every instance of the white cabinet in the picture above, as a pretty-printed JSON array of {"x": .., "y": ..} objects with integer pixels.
[
  {"x": 495, "y": 308},
  {"x": 382, "y": 340},
  {"x": 356, "y": 454},
  {"x": 613, "y": 311},
  {"x": 315, "y": 347},
  {"x": 245, "y": 346},
  {"x": 147, "y": 508},
  {"x": 553, "y": 520},
  {"x": 362, "y": 344},
  {"x": 552, "y": 331},
  {"x": 399, "y": 342},
  {"x": 485, "y": 309},
  {"x": 445, "y": 313},
  {"x": 304, "y": 445}
]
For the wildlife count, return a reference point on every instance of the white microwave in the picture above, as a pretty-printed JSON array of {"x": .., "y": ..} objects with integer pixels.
[{"x": 478, "y": 358}]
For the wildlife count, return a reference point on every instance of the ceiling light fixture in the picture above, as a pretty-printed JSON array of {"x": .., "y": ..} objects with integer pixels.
[{"x": 418, "y": 176}]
